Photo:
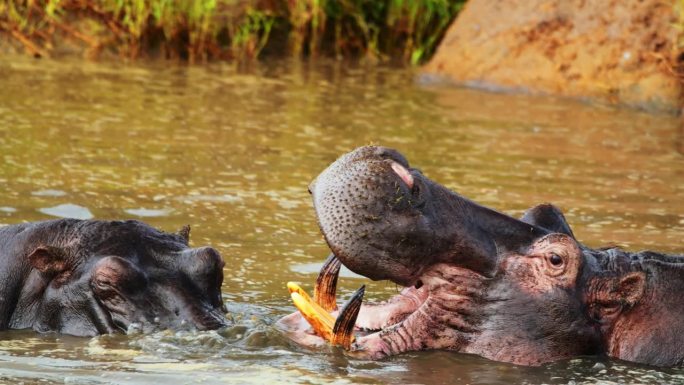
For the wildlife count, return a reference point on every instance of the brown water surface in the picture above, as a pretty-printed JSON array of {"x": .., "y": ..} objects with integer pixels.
[{"x": 231, "y": 152}]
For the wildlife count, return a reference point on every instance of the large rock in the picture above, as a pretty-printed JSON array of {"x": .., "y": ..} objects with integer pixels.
[{"x": 617, "y": 51}]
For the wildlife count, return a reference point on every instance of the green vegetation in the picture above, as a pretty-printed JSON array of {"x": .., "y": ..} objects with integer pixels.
[{"x": 197, "y": 30}]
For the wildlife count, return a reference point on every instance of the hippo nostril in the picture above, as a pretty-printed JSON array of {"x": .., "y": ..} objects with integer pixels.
[
  {"x": 383, "y": 152},
  {"x": 391, "y": 154}
]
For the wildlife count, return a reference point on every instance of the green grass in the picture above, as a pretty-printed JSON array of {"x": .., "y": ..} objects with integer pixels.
[{"x": 198, "y": 30}]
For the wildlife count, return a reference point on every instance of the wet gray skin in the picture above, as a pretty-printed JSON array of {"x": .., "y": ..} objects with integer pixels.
[
  {"x": 89, "y": 277},
  {"x": 381, "y": 227}
]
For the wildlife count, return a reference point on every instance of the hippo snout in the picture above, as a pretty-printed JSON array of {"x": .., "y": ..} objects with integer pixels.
[{"x": 372, "y": 213}]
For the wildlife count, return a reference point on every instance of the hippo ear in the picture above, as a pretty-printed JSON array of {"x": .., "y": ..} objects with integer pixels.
[
  {"x": 630, "y": 287},
  {"x": 549, "y": 217},
  {"x": 114, "y": 274},
  {"x": 48, "y": 260},
  {"x": 617, "y": 294},
  {"x": 184, "y": 233}
]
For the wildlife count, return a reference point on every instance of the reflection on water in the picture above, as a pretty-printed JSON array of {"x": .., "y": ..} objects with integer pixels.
[
  {"x": 231, "y": 153},
  {"x": 67, "y": 210}
]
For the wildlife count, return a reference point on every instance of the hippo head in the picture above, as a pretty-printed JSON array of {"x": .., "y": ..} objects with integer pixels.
[
  {"x": 477, "y": 281},
  {"x": 95, "y": 277},
  {"x": 635, "y": 298},
  {"x": 631, "y": 296},
  {"x": 386, "y": 220}
]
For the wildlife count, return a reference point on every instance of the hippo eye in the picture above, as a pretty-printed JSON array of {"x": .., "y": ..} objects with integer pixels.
[{"x": 555, "y": 260}]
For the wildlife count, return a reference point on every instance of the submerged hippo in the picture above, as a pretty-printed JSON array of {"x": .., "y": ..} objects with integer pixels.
[
  {"x": 86, "y": 278},
  {"x": 481, "y": 282}
]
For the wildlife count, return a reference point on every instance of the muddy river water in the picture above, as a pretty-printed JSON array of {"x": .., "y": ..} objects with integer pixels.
[{"x": 231, "y": 151}]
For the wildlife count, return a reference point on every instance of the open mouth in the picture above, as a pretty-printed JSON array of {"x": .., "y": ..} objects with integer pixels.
[{"x": 340, "y": 327}]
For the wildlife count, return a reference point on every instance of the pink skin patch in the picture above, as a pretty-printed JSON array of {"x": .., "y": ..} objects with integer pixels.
[
  {"x": 409, "y": 321},
  {"x": 403, "y": 174}
]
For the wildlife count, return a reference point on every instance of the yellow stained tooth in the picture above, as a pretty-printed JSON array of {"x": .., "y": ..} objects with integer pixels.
[
  {"x": 318, "y": 323},
  {"x": 294, "y": 288},
  {"x": 320, "y": 320},
  {"x": 316, "y": 308}
]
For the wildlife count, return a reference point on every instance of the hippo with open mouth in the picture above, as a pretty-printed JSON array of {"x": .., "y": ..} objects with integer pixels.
[
  {"x": 476, "y": 281},
  {"x": 86, "y": 278}
]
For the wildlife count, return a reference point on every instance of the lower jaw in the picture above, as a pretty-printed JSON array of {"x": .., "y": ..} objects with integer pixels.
[{"x": 353, "y": 318}]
